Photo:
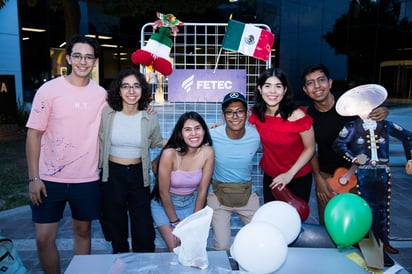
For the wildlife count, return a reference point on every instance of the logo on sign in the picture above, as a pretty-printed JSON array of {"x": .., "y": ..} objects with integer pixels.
[{"x": 188, "y": 83}]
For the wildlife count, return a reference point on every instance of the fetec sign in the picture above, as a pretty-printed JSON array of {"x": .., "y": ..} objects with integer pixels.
[{"x": 190, "y": 85}]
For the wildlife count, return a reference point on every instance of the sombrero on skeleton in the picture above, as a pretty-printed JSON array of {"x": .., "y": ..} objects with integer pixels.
[{"x": 361, "y": 100}]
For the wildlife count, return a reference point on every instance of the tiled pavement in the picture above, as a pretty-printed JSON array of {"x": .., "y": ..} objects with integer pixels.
[{"x": 16, "y": 223}]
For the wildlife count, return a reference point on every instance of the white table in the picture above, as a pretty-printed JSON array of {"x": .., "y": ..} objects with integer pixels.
[
  {"x": 299, "y": 260},
  {"x": 325, "y": 260},
  {"x": 161, "y": 262}
]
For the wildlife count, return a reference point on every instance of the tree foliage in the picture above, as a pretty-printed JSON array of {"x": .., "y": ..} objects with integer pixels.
[
  {"x": 136, "y": 8},
  {"x": 368, "y": 24},
  {"x": 371, "y": 32},
  {"x": 3, "y": 3}
]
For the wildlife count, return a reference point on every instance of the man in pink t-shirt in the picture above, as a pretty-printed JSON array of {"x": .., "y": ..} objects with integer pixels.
[{"x": 62, "y": 153}]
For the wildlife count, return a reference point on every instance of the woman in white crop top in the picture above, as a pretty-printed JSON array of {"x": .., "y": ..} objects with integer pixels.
[
  {"x": 127, "y": 132},
  {"x": 184, "y": 172}
]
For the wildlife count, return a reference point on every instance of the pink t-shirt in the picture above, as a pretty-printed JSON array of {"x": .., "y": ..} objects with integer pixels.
[{"x": 70, "y": 118}]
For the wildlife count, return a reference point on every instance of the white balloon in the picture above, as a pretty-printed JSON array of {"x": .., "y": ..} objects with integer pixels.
[
  {"x": 259, "y": 247},
  {"x": 282, "y": 215}
]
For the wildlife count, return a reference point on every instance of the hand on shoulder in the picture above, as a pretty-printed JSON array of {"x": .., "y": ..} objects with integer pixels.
[
  {"x": 296, "y": 115},
  {"x": 208, "y": 150},
  {"x": 379, "y": 114}
]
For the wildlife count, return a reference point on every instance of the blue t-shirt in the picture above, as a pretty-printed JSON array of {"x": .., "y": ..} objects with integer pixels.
[{"x": 233, "y": 157}]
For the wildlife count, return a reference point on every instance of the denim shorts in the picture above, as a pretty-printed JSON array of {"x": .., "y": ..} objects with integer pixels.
[
  {"x": 83, "y": 198},
  {"x": 184, "y": 206}
]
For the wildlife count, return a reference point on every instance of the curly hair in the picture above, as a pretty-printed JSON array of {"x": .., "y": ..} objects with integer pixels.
[
  {"x": 114, "y": 99},
  {"x": 286, "y": 105}
]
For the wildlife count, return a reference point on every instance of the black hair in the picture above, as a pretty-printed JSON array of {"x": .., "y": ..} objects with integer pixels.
[
  {"x": 176, "y": 139},
  {"x": 177, "y": 142},
  {"x": 78, "y": 38},
  {"x": 286, "y": 105},
  {"x": 312, "y": 68}
]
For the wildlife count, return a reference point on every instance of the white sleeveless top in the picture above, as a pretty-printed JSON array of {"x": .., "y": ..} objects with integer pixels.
[{"x": 126, "y": 139}]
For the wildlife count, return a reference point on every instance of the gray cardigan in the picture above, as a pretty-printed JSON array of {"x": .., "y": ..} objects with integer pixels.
[{"x": 151, "y": 138}]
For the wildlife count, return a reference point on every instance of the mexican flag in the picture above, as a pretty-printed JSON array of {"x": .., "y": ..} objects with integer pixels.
[{"x": 248, "y": 39}]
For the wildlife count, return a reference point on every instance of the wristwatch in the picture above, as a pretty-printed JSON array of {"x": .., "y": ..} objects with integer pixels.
[{"x": 34, "y": 179}]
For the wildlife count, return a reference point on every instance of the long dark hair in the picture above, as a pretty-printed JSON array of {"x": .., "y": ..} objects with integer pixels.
[
  {"x": 177, "y": 142},
  {"x": 114, "y": 99},
  {"x": 286, "y": 105}
]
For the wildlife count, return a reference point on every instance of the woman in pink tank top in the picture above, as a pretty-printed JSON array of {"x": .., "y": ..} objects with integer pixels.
[{"x": 184, "y": 172}]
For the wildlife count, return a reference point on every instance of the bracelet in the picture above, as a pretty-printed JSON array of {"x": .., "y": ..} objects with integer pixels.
[
  {"x": 173, "y": 226},
  {"x": 34, "y": 179},
  {"x": 175, "y": 221}
]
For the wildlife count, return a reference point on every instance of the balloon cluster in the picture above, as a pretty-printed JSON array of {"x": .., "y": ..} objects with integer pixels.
[{"x": 261, "y": 245}]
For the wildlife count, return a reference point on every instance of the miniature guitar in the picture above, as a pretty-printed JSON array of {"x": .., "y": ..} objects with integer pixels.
[{"x": 344, "y": 179}]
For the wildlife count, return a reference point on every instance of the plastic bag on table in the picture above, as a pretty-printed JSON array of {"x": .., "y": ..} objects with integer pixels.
[{"x": 193, "y": 232}]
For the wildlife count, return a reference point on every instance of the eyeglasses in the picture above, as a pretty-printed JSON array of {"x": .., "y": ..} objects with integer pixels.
[
  {"x": 126, "y": 86},
  {"x": 77, "y": 57},
  {"x": 240, "y": 113},
  {"x": 319, "y": 81}
]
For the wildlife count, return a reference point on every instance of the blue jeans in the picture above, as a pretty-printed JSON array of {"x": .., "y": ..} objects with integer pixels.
[{"x": 184, "y": 206}]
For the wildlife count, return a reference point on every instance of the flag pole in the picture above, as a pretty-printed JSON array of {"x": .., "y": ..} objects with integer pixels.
[
  {"x": 217, "y": 61},
  {"x": 220, "y": 51}
]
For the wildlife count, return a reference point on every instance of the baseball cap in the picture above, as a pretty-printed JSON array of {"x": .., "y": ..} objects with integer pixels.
[{"x": 233, "y": 97}]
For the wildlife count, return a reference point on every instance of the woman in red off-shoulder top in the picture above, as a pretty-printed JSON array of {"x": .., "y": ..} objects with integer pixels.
[{"x": 286, "y": 134}]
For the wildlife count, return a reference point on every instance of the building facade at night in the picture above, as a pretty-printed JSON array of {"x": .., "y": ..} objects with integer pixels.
[{"x": 360, "y": 41}]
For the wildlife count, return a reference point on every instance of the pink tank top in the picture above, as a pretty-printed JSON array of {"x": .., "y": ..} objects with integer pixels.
[{"x": 184, "y": 182}]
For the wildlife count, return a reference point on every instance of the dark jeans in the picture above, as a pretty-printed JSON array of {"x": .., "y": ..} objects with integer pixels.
[
  {"x": 374, "y": 184},
  {"x": 300, "y": 186},
  {"x": 125, "y": 196}
]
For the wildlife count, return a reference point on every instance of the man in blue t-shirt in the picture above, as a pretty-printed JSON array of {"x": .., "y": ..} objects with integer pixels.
[{"x": 231, "y": 190}]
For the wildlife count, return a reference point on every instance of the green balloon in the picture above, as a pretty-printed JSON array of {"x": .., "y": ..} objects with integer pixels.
[{"x": 348, "y": 219}]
